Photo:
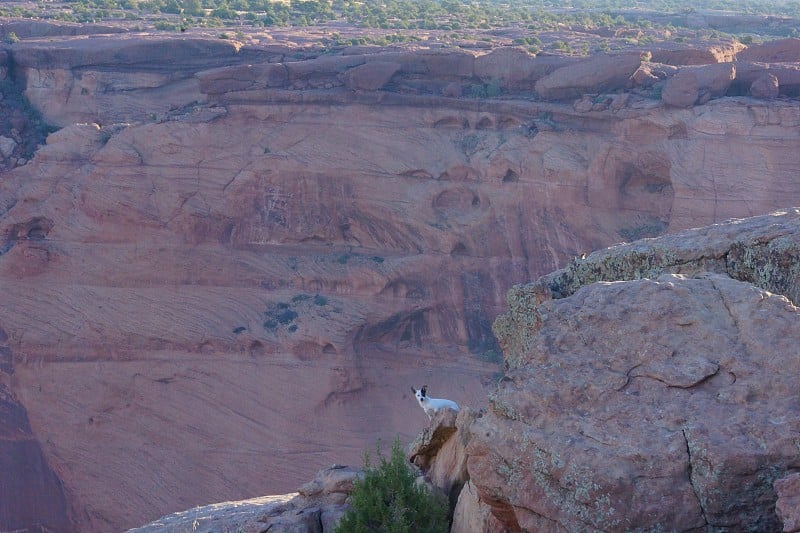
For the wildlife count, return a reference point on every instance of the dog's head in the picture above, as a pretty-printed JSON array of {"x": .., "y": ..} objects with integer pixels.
[{"x": 421, "y": 393}]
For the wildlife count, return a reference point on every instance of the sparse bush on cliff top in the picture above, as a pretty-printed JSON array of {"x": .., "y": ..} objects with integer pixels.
[{"x": 388, "y": 500}]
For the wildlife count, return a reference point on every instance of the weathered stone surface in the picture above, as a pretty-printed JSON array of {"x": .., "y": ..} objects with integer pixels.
[
  {"x": 777, "y": 51},
  {"x": 471, "y": 514},
  {"x": 315, "y": 508},
  {"x": 335, "y": 483},
  {"x": 439, "y": 451},
  {"x": 7, "y": 146},
  {"x": 747, "y": 73},
  {"x": 649, "y": 74},
  {"x": 371, "y": 76},
  {"x": 705, "y": 364},
  {"x": 601, "y": 73},
  {"x": 696, "y": 85},
  {"x": 788, "y": 504},
  {"x": 765, "y": 86},
  {"x": 32, "y": 495},
  {"x": 513, "y": 68},
  {"x": 132, "y": 78},
  {"x": 157, "y": 265},
  {"x": 696, "y": 54}
]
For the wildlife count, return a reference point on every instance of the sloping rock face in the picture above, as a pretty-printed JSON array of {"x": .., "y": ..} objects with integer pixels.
[
  {"x": 229, "y": 256},
  {"x": 315, "y": 508},
  {"x": 666, "y": 403},
  {"x": 31, "y": 495},
  {"x": 788, "y": 504}
]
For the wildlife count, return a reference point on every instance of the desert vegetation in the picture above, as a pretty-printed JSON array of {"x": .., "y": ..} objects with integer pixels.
[
  {"x": 388, "y": 499},
  {"x": 668, "y": 16}
]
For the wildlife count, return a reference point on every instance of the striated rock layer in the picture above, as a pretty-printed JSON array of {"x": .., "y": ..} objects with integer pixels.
[{"x": 229, "y": 264}]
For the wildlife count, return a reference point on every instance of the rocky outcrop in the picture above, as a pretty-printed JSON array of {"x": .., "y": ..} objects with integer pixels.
[
  {"x": 601, "y": 73},
  {"x": 765, "y": 86},
  {"x": 315, "y": 508},
  {"x": 697, "y": 85},
  {"x": 131, "y": 79},
  {"x": 649, "y": 391},
  {"x": 371, "y": 76},
  {"x": 589, "y": 369},
  {"x": 32, "y": 495},
  {"x": 761, "y": 252},
  {"x": 777, "y": 51},
  {"x": 788, "y": 504},
  {"x": 696, "y": 55},
  {"x": 751, "y": 75},
  {"x": 439, "y": 451},
  {"x": 515, "y": 69}
]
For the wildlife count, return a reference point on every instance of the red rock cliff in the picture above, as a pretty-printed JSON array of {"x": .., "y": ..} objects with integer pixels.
[{"x": 226, "y": 268}]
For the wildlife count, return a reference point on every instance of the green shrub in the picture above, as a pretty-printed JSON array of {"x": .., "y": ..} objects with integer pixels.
[{"x": 387, "y": 500}]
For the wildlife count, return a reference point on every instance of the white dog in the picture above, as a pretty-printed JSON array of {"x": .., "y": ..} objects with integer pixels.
[{"x": 432, "y": 405}]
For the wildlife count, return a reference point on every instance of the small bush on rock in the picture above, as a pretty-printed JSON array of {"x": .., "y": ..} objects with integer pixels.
[{"x": 387, "y": 500}]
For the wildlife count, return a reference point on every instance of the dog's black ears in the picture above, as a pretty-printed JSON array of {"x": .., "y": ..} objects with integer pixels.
[
  {"x": 423, "y": 390},
  {"x": 413, "y": 390}
]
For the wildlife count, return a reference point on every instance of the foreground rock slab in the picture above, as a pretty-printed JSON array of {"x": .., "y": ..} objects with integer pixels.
[
  {"x": 315, "y": 508},
  {"x": 666, "y": 403}
]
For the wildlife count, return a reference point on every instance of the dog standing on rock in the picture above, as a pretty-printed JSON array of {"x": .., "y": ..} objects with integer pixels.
[{"x": 432, "y": 405}]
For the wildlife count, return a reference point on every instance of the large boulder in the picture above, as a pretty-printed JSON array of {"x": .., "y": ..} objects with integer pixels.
[
  {"x": 748, "y": 74},
  {"x": 513, "y": 67},
  {"x": 439, "y": 451},
  {"x": 696, "y": 55},
  {"x": 371, "y": 76},
  {"x": 765, "y": 86},
  {"x": 663, "y": 403},
  {"x": 600, "y": 73},
  {"x": 697, "y": 85}
]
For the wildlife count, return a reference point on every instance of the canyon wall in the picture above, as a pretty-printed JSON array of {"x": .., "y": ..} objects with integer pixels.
[{"x": 227, "y": 266}]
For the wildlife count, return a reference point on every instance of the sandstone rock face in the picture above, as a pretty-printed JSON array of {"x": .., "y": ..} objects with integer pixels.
[
  {"x": 471, "y": 514},
  {"x": 211, "y": 267},
  {"x": 513, "y": 67},
  {"x": 650, "y": 403},
  {"x": 371, "y": 76},
  {"x": 777, "y": 51},
  {"x": 788, "y": 504},
  {"x": 604, "y": 73},
  {"x": 765, "y": 86},
  {"x": 697, "y": 55},
  {"x": 441, "y": 440},
  {"x": 697, "y": 85},
  {"x": 316, "y": 508},
  {"x": 86, "y": 80},
  {"x": 32, "y": 495},
  {"x": 747, "y": 74}
]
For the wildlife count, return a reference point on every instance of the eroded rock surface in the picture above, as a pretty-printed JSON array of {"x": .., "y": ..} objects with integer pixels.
[
  {"x": 788, "y": 504},
  {"x": 667, "y": 402},
  {"x": 315, "y": 508},
  {"x": 32, "y": 495},
  {"x": 241, "y": 249}
]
